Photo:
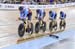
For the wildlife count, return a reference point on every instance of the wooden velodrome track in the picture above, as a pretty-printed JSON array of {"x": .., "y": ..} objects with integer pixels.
[{"x": 9, "y": 25}]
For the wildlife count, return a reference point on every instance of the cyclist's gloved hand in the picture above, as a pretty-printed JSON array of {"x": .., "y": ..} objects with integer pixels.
[
  {"x": 19, "y": 18},
  {"x": 36, "y": 17}
]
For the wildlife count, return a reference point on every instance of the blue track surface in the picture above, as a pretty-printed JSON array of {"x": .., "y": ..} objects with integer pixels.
[{"x": 41, "y": 42}]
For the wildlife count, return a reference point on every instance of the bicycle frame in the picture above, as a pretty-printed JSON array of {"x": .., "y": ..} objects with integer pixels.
[{"x": 63, "y": 21}]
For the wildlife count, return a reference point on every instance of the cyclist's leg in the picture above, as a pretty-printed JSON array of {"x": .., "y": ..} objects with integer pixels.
[{"x": 29, "y": 17}]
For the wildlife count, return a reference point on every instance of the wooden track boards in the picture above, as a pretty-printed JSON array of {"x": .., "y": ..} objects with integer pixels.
[{"x": 35, "y": 36}]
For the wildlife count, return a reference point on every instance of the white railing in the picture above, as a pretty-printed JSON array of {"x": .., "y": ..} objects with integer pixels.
[{"x": 15, "y": 6}]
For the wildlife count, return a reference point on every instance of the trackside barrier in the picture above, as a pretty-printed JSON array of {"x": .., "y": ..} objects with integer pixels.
[{"x": 15, "y": 6}]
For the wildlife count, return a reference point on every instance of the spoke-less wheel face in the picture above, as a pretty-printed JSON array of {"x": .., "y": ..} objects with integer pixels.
[
  {"x": 50, "y": 26},
  {"x": 44, "y": 26},
  {"x": 21, "y": 30},
  {"x": 40, "y": 26},
  {"x": 30, "y": 28},
  {"x": 37, "y": 27},
  {"x": 53, "y": 25},
  {"x": 62, "y": 24}
]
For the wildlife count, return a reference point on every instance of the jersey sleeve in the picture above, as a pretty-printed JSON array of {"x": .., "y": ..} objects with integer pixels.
[
  {"x": 25, "y": 13},
  {"x": 21, "y": 15}
]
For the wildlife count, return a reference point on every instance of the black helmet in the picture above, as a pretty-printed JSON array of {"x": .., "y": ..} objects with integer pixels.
[
  {"x": 50, "y": 12},
  {"x": 38, "y": 10},
  {"x": 61, "y": 12},
  {"x": 21, "y": 8}
]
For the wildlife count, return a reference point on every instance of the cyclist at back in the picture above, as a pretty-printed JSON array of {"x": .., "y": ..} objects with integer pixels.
[{"x": 62, "y": 15}]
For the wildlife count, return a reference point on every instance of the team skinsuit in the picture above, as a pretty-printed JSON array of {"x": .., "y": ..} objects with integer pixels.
[
  {"x": 40, "y": 13},
  {"x": 52, "y": 15},
  {"x": 62, "y": 15},
  {"x": 25, "y": 13}
]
